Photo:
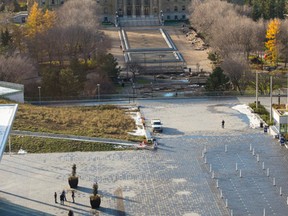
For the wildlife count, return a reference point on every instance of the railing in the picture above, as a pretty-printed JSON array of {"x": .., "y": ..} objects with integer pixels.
[{"x": 152, "y": 93}]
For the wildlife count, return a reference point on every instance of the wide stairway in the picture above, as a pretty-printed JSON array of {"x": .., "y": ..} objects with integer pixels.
[{"x": 139, "y": 21}]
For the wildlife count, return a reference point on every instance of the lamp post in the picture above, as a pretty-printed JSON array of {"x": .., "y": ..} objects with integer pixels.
[
  {"x": 279, "y": 96},
  {"x": 256, "y": 90},
  {"x": 161, "y": 17},
  {"x": 133, "y": 92},
  {"x": 116, "y": 18},
  {"x": 271, "y": 95},
  {"x": 98, "y": 91},
  {"x": 39, "y": 94}
]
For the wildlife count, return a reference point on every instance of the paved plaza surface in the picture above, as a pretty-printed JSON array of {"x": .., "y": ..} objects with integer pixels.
[{"x": 173, "y": 180}]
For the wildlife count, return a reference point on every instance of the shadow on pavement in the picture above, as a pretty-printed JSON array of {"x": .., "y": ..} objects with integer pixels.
[
  {"x": 172, "y": 131},
  {"x": 111, "y": 211},
  {"x": 10, "y": 209},
  {"x": 84, "y": 189},
  {"x": 119, "y": 197}
]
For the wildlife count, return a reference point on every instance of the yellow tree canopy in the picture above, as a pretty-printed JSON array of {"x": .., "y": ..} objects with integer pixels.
[
  {"x": 49, "y": 19},
  {"x": 38, "y": 22},
  {"x": 272, "y": 32}
]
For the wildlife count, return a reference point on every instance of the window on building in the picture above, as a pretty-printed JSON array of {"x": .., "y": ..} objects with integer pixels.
[
  {"x": 53, "y": 2},
  {"x": 175, "y": 8},
  {"x": 183, "y": 8}
]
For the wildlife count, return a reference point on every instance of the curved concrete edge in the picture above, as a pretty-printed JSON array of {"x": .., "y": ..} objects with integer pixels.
[
  {"x": 72, "y": 137},
  {"x": 6, "y": 122}
]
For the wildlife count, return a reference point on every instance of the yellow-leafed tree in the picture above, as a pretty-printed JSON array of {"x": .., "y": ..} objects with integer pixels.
[
  {"x": 38, "y": 22},
  {"x": 272, "y": 34},
  {"x": 49, "y": 19}
]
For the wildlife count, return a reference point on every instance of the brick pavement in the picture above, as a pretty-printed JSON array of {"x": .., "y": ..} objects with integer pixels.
[{"x": 174, "y": 180}]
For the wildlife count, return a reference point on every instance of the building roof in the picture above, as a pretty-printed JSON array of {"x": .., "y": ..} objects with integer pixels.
[
  {"x": 7, "y": 115},
  {"x": 5, "y": 91},
  {"x": 12, "y": 91}
]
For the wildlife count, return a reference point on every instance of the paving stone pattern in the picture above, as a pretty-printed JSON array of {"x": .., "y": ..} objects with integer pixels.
[{"x": 173, "y": 180}]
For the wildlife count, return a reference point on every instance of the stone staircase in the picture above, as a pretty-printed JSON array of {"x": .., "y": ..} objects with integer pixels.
[{"x": 139, "y": 21}]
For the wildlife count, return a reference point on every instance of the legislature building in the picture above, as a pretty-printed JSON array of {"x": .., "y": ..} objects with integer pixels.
[{"x": 136, "y": 11}]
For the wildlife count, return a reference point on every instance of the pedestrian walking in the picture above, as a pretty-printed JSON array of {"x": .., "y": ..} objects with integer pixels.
[
  {"x": 64, "y": 195},
  {"x": 223, "y": 123},
  {"x": 73, "y": 196},
  {"x": 62, "y": 199},
  {"x": 55, "y": 197}
]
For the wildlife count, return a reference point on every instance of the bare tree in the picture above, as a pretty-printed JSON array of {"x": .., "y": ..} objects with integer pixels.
[
  {"x": 283, "y": 41},
  {"x": 134, "y": 68},
  {"x": 75, "y": 35},
  {"x": 80, "y": 22},
  {"x": 237, "y": 69},
  {"x": 16, "y": 68}
]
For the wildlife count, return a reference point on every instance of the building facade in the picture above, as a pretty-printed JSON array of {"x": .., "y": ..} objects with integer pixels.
[
  {"x": 165, "y": 9},
  {"x": 114, "y": 10}
]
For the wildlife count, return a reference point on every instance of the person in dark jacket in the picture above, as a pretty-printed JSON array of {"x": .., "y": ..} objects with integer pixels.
[
  {"x": 55, "y": 197},
  {"x": 73, "y": 196}
]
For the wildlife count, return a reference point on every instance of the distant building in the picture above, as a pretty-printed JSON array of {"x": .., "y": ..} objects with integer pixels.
[
  {"x": 122, "y": 11},
  {"x": 49, "y": 3},
  {"x": 20, "y": 17},
  {"x": 163, "y": 9}
]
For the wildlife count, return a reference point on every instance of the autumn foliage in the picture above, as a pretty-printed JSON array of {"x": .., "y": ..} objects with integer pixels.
[
  {"x": 39, "y": 21},
  {"x": 271, "y": 43}
]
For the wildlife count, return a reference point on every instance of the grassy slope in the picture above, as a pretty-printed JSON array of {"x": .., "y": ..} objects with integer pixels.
[{"x": 99, "y": 121}]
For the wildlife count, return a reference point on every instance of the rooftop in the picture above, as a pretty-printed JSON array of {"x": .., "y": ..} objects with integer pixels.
[{"x": 7, "y": 115}]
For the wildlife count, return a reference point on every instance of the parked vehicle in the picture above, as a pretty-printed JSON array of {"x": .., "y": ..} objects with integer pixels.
[{"x": 156, "y": 125}]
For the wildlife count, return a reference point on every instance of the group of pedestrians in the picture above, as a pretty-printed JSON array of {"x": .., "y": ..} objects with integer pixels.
[{"x": 63, "y": 197}]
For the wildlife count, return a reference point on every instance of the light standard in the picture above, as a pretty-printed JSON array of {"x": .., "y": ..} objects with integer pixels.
[
  {"x": 161, "y": 17},
  {"x": 116, "y": 19},
  {"x": 133, "y": 92},
  {"x": 256, "y": 90},
  {"x": 39, "y": 91},
  {"x": 271, "y": 96},
  {"x": 98, "y": 91}
]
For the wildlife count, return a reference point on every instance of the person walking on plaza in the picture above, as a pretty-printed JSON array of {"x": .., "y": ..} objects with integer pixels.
[
  {"x": 55, "y": 197},
  {"x": 223, "y": 123},
  {"x": 62, "y": 199},
  {"x": 70, "y": 213},
  {"x": 73, "y": 196},
  {"x": 64, "y": 195}
]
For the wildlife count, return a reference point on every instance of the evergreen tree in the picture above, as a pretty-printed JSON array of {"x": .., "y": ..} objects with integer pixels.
[
  {"x": 280, "y": 8},
  {"x": 6, "y": 37},
  {"x": 109, "y": 65},
  {"x": 217, "y": 81},
  {"x": 268, "y": 9},
  {"x": 256, "y": 11},
  {"x": 69, "y": 83}
]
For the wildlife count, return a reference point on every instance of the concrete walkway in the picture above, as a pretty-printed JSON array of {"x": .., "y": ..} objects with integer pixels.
[{"x": 174, "y": 180}]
